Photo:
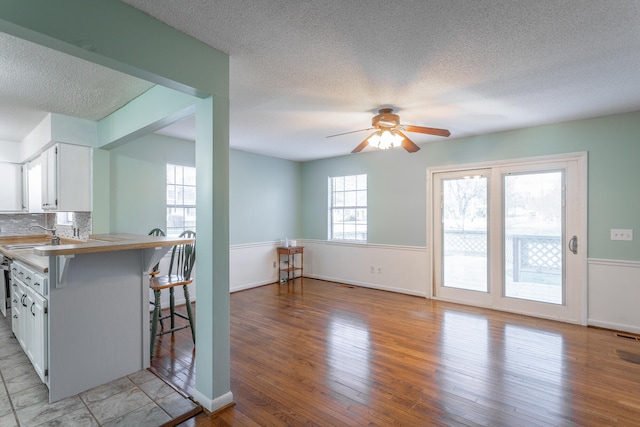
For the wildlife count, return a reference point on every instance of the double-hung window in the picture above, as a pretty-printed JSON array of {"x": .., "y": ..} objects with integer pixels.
[
  {"x": 348, "y": 208},
  {"x": 181, "y": 199}
]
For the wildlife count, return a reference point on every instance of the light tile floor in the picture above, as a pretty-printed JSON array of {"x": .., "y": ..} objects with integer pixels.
[{"x": 140, "y": 399}]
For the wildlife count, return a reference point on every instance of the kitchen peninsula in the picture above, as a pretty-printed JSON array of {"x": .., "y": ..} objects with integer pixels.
[{"x": 96, "y": 305}]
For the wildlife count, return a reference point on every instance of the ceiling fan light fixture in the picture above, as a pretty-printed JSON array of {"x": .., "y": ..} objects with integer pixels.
[
  {"x": 389, "y": 133},
  {"x": 384, "y": 140}
]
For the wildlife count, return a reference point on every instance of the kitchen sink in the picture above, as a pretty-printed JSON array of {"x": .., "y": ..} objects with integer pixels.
[{"x": 24, "y": 246}]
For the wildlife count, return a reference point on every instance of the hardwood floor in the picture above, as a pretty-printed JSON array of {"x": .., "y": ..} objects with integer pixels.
[{"x": 343, "y": 355}]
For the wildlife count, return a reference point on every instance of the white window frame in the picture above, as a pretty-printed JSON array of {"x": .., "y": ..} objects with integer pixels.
[
  {"x": 179, "y": 182},
  {"x": 343, "y": 198}
]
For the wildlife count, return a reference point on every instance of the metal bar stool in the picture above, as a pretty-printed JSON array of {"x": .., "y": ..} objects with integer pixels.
[{"x": 183, "y": 257}]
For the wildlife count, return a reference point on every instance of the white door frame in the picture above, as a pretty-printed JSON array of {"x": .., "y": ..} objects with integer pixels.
[{"x": 580, "y": 229}]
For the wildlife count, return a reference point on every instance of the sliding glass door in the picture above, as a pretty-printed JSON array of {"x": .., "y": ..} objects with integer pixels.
[
  {"x": 506, "y": 237},
  {"x": 533, "y": 218},
  {"x": 464, "y": 202},
  {"x": 463, "y": 234}
]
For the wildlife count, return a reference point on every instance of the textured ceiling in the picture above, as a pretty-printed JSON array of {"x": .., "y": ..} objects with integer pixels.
[
  {"x": 35, "y": 80},
  {"x": 302, "y": 70}
]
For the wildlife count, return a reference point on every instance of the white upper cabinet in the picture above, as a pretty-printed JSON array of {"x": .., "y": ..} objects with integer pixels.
[
  {"x": 34, "y": 183},
  {"x": 66, "y": 178},
  {"x": 10, "y": 187}
]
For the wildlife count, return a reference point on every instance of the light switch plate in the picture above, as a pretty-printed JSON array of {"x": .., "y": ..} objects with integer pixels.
[{"x": 621, "y": 234}]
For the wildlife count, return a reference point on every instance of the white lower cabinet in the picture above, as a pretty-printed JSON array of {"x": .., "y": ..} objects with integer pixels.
[
  {"x": 29, "y": 319},
  {"x": 18, "y": 310},
  {"x": 37, "y": 330}
]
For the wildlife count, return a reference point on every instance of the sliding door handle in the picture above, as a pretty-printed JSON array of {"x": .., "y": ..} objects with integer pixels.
[{"x": 573, "y": 245}]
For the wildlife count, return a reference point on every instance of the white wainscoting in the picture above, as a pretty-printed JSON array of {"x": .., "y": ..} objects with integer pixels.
[
  {"x": 251, "y": 265},
  {"x": 400, "y": 269},
  {"x": 614, "y": 294}
]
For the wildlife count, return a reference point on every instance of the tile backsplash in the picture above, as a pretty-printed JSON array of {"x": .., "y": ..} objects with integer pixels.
[{"x": 78, "y": 227}]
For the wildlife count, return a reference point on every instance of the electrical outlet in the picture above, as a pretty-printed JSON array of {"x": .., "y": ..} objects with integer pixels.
[
  {"x": 373, "y": 268},
  {"x": 379, "y": 269},
  {"x": 274, "y": 264},
  {"x": 621, "y": 234}
]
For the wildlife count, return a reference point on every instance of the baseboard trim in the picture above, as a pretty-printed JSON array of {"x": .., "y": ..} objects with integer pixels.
[
  {"x": 365, "y": 285},
  {"x": 614, "y": 326},
  {"x": 252, "y": 285},
  {"x": 215, "y": 404}
]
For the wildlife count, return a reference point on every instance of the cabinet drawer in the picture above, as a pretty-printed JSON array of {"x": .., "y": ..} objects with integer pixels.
[
  {"x": 40, "y": 284},
  {"x": 17, "y": 271},
  {"x": 37, "y": 281}
]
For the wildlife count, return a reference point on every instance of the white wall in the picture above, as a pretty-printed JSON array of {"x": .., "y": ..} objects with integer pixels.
[{"x": 10, "y": 152}]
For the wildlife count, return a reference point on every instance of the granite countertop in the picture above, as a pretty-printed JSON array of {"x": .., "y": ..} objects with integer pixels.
[{"x": 38, "y": 256}]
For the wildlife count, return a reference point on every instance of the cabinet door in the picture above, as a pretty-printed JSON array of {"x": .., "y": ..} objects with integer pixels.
[
  {"x": 74, "y": 163},
  {"x": 15, "y": 321},
  {"x": 22, "y": 308},
  {"x": 34, "y": 180},
  {"x": 11, "y": 188},
  {"x": 28, "y": 322},
  {"x": 25, "y": 187},
  {"x": 49, "y": 165},
  {"x": 38, "y": 348},
  {"x": 66, "y": 178}
]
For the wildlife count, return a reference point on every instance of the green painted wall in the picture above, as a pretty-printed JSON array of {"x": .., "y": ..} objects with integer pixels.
[
  {"x": 264, "y": 198},
  {"x": 138, "y": 181},
  {"x": 264, "y": 191},
  {"x": 397, "y": 180},
  {"x": 101, "y": 215}
]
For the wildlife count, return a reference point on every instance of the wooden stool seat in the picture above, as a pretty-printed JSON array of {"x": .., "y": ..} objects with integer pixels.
[{"x": 169, "y": 281}]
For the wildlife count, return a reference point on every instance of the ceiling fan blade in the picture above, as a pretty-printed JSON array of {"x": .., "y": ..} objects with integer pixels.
[
  {"x": 428, "y": 131},
  {"x": 408, "y": 144},
  {"x": 361, "y": 146},
  {"x": 347, "y": 133}
]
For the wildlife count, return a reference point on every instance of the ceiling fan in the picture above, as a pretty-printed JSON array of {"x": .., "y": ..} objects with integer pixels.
[{"x": 389, "y": 133}]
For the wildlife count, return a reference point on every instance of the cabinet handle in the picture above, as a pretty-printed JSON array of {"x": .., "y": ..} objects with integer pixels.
[
  {"x": 22, "y": 301},
  {"x": 31, "y": 309}
]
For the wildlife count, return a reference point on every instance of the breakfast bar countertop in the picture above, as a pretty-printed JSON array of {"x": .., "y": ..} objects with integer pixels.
[
  {"x": 110, "y": 243},
  {"x": 38, "y": 255}
]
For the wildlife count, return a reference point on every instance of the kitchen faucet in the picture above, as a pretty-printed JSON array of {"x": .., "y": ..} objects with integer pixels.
[{"x": 55, "y": 240}]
